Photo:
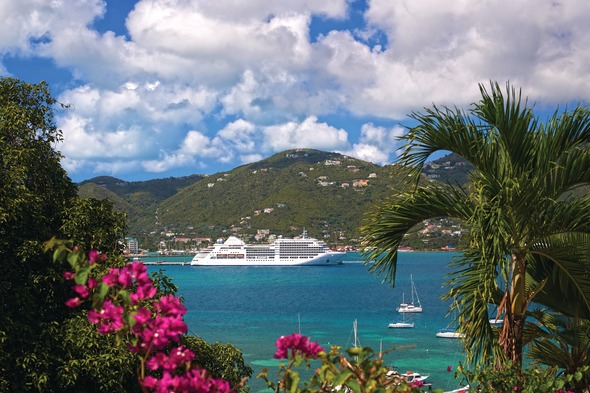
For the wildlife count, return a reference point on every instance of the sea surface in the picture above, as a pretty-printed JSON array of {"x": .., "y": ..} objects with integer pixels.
[{"x": 251, "y": 307}]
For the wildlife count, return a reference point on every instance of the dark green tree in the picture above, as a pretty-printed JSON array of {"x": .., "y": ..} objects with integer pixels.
[
  {"x": 44, "y": 346},
  {"x": 527, "y": 230},
  {"x": 34, "y": 189}
]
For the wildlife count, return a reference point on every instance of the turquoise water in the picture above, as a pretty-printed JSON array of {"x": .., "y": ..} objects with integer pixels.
[{"x": 251, "y": 307}]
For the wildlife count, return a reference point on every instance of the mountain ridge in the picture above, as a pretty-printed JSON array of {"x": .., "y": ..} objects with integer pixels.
[{"x": 326, "y": 193}]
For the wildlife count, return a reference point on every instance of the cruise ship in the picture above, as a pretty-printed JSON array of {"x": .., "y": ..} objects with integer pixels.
[{"x": 283, "y": 252}]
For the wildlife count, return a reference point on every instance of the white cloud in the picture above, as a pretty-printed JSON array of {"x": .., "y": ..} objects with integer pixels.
[
  {"x": 376, "y": 144},
  {"x": 241, "y": 72},
  {"x": 28, "y": 22},
  {"x": 309, "y": 133}
]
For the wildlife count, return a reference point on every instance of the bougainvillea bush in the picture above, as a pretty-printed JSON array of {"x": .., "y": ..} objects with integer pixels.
[{"x": 124, "y": 302}]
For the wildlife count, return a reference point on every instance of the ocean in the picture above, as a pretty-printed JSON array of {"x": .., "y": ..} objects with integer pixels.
[{"x": 251, "y": 307}]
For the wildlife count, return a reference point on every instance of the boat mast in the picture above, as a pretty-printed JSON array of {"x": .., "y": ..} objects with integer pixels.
[{"x": 414, "y": 291}]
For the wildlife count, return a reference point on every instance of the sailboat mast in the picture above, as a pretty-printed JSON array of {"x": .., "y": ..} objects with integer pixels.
[{"x": 412, "y": 289}]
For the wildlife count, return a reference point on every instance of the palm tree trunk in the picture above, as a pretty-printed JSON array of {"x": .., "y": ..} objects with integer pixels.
[{"x": 512, "y": 332}]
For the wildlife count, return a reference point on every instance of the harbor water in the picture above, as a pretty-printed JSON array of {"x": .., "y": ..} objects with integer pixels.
[{"x": 251, "y": 307}]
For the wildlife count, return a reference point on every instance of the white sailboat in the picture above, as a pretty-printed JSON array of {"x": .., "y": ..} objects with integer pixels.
[
  {"x": 449, "y": 333},
  {"x": 411, "y": 307},
  {"x": 356, "y": 342},
  {"x": 402, "y": 324}
]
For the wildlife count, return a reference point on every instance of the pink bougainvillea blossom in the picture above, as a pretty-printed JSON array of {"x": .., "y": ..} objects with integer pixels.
[
  {"x": 109, "y": 319},
  {"x": 172, "y": 361},
  {"x": 111, "y": 278},
  {"x": 92, "y": 257},
  {"x": 73, "y": 302},
  {"x": 81, "y": 290},
  {"x": 299, "y": 344}
]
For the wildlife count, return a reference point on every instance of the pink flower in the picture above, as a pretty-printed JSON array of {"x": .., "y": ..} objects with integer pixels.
[
  {"x": 81, "y": 290},
  {"x": 92, "y": 257},
  {"x": 449, "y": 368},
  {"x": 149, "y": 382},
  {"x": 170, "y": 305},
  {"x": 111, "y": 277},
  {"x": 73, "y": 302},
  {"x": 417, "y": 384},
  {"x": 109, "y": 319},
  {"x": 125, "y": 279},
  {"x": 176, "y": 358},
  {"x": 298, "y": 344},
  {"x": 92, "y": 283},
  {"x": 196, "y": 380},
  {"x": 69, "y": 275},
  {"x": 142, "y": 316}
]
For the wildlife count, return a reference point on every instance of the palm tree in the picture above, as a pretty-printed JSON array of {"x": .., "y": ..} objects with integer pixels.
[{"x": 529, "y": 224}]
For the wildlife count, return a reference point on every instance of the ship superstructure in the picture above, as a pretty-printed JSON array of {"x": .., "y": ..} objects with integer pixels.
[{"x": 283, "y": 252}]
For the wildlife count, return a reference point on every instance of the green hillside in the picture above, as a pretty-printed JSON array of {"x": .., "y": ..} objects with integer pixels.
[
  {"x": 326, "y": 194},
  {"x": 139, "y": 200}
]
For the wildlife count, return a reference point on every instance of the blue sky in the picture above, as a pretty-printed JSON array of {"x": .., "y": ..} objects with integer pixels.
[{"x": 161, "y": 88}]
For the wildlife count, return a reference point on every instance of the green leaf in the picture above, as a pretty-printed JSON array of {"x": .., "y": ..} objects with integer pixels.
[
  {"x": 103, "y": 290},
  {"x": 353, "y": 385},
  {"x": 342, "y": 377},
  {"x": 559, "y": 383},
  {"x": 124, "y": 294},
  {"x": 82, "y": 275}
]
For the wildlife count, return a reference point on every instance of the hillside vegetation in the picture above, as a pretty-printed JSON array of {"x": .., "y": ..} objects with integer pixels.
[{"x": 326, "y": 194}]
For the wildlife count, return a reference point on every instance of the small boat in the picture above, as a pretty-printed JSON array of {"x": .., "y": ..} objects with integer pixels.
[
  {"x": 463, "y": 389},
  {"x": 411, "y": 376},
  {"x": 410, "y": 307},
  {"x": 449, "y": 333},
  {"x": 402, "y": 324},
  {"x": 496, "y": 321}
]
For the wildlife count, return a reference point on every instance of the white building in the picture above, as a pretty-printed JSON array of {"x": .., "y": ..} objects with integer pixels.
[{"x": 132, "y": 245}]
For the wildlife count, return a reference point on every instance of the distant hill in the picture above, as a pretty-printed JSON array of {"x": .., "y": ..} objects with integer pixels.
[
  {"x": 139, "y": 200},
  {"x": 451, "y": 168},
  {"x": 325, "y": 193}
]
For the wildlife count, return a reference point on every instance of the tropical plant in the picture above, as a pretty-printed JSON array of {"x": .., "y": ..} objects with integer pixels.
[
  {"x": 528, "y": 231},
  {"x": 562, "y": 342}
]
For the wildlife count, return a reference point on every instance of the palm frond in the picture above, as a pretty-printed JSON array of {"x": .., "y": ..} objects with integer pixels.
[{"x": 385, "y": 227}]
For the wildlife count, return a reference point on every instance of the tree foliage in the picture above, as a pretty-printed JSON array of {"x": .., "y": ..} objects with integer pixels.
[
  {"x": 44, "y": 346},
  {"x": 529, "y": 234},
  {"x": 34, "y": 190}
]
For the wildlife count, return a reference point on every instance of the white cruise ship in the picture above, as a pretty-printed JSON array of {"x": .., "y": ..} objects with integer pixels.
[{"x": 283, "y": 252}]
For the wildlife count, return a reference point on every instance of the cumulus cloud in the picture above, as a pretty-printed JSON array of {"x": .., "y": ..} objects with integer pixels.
[
  {"x": 309, "y": 133},
  {"x": 377, "y": 144},
  {"x": 196, "y": 83}
]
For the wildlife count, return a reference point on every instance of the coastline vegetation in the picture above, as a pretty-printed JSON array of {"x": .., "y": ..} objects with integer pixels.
[{"x": 528, "y": 259}]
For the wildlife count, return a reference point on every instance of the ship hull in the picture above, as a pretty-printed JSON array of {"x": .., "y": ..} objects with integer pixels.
[{"x": 327, "y": 259}]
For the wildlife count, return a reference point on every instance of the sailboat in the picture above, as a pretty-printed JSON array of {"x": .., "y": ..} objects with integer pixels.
[
  {"x": 356, "y": 342},
  {"x": 450, "y": 332},
  {"x": 410, "y": 307},
  {"x": 402, "y": 324}
]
